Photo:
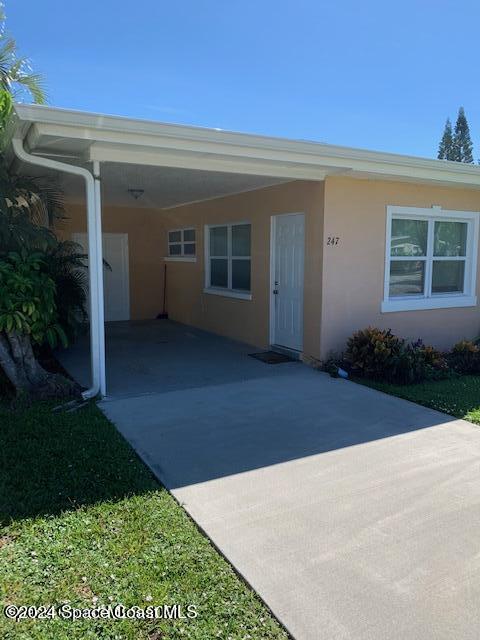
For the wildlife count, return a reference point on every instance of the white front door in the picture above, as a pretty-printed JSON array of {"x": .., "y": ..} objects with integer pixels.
[
  {"x": 287, "y": 265},
  {"x": 116, "y": 279}
]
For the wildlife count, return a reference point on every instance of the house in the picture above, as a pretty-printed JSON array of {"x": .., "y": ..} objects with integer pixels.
[{"x": 269, "y": 241}]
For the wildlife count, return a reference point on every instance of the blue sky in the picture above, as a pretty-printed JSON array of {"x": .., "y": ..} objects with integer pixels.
[{"x": 375, "y": 74}]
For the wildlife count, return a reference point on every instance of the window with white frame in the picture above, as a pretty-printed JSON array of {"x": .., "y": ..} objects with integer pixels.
[
  {"x": 430, "y": 258},
  {"x": 181, "y": 243},
  {"x": 228, "y": 259}
]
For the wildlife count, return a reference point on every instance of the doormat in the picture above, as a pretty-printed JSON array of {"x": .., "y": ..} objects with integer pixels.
[{"x": 271, "y": 357}]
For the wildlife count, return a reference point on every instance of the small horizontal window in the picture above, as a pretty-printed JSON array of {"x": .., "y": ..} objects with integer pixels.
[{"x": 181, "y": 242}]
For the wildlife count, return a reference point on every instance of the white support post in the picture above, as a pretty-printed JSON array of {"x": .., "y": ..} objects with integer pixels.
[{"x": 100, "y": 288}]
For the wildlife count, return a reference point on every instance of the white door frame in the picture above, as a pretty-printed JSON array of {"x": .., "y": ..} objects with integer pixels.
[{"x": 273, "y": 228}]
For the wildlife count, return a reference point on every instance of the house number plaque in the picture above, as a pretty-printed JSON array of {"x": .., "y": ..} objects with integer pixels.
[{"x": 332, "y": 241}]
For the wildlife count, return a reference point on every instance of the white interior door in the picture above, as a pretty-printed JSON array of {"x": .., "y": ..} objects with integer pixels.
[
  {"x": 287, "y": 267},
  {"x": 116, "y": 280}
]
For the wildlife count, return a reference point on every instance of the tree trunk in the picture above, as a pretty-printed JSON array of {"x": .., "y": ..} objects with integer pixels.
[
  {"x": 25, "y": 372},
  {"x": 15, "y": 374}
]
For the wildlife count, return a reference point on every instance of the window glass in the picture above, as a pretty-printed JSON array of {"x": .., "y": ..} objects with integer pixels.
[
  {"x": 430, "y": 262},
  {"x": 218, "y": 241},
  {"x": 181, "y": 242},
  {"x": 241, "y": 274},
  {"x": 174, "y": 236},
  {"x": 241, "y": 240},
  {"x": 219, "y": 272},
  {"x": 448, "y": 276},
  {"x": 409, "y": 237},
  {"x": 407, "y": 277},
  {"x": 229, "y": 257},
  {"x": 450, "y": 239}
]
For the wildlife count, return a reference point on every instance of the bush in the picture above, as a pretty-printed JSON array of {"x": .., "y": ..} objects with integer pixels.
[
  {"x": 418, "y": 362},
  {"x": 372, "y": 352},
  {"x": 465, "y": 357},
  {"x": 380, "y": 355},
  {"x": 433, "y": 358}
]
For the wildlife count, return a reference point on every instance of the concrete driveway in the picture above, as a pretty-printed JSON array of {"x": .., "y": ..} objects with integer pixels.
[{"x": 353, "y": 514}]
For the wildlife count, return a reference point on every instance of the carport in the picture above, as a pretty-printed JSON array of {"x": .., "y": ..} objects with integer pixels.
[
  {"x": 247, "y": 225},
  {"x": 105, "y": 161}
]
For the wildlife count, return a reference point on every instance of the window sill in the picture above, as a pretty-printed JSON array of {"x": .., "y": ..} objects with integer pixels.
[
  {"x": 180, "y": 258},
  {"x": 446, "y": 302},
  {"x": 226, "y": 293}
]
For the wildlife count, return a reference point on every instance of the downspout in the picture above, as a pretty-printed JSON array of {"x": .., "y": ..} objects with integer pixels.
[
  {"x": 101, "y": 306},
  {"x": 95, "y": 261}
]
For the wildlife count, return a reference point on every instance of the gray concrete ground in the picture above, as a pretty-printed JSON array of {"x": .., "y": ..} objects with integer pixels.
[
  {"x": 353, "y": 514},
  {"x": 156, "y": 356}
]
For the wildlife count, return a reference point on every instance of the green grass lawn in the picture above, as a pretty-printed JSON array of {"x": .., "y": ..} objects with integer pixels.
[
  {"x": 459, "y": 397},
  {"x": 84, "y": 522}
]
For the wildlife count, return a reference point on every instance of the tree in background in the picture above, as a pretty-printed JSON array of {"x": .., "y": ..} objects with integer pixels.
[
  {"x": 462, "y": 143},
  {"x": 445, "y": 148},
  {"x": 457, "y": 145}
]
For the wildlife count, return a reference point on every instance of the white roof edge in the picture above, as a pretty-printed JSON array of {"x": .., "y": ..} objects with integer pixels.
[{"x": 27, "y": 113}]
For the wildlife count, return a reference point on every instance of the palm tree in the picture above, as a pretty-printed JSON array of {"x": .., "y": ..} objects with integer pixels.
[
  {"x": 28, "y": 209},
  {"x": 16, "y": 76}
]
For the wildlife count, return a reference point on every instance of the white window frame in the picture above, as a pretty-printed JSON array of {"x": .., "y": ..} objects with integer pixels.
[
  {"x": 182, "y": 256},
  {"x": 429, "y": 300},
  {"x": 227, "y": 292}
]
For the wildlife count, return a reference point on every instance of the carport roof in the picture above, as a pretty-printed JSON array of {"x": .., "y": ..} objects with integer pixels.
[{"x": 78, "y": 137}]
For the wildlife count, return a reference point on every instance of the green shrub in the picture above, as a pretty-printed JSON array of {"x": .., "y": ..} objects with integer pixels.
[
  {"x": 27, "y": 299},
  {"x": 434, "y": 358},
  {"x": 465, "y": 357},
  {"x": 372, "y": 352},
  {"x": 380, "y": 355},
  {"x": 418, "y": 362}
]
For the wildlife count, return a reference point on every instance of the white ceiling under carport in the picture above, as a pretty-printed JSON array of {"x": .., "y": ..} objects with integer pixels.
[{"x": 162, "y": 187}]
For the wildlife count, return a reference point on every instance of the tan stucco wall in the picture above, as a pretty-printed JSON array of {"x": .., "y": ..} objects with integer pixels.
[
  {"x": 242, "y": 319},
  {"x": 145, "y": 249},
  {"x": 353, "y": 270},
  {"x": 343, "y": 283}
]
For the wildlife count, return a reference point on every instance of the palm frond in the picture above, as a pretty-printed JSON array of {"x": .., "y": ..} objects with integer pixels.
[
  {"x": 16, "y": 75},
  {"x": 66, "y": 266},
  {"x": 34, "y": 84},
  {"x": 41, "y": 196},
  {"x": 17, "y": 231},
  {"x": 8, "y": 47}
]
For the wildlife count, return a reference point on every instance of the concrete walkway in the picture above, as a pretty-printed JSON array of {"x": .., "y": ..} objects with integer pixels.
[{"x": 354, "y": 515}]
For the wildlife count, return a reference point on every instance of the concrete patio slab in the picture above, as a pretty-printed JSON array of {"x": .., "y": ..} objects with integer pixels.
[
  {"x": 155, "y": 356},
  {"x": 354, "y": 515}
]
